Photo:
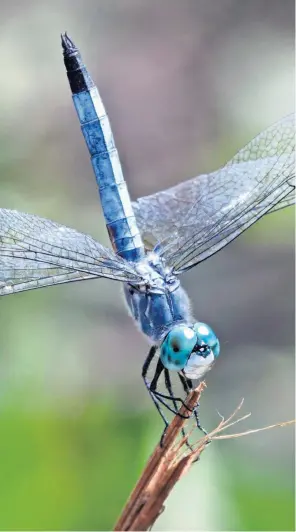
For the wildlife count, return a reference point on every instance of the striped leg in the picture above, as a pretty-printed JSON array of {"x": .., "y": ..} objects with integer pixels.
[{"x": 152, "y": 387}]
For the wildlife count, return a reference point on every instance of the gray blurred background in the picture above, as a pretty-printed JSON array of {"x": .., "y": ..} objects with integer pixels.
[{"x": 186, "y": 84}]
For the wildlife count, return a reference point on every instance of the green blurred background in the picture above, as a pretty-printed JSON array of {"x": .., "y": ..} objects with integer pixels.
[{"x": 186, "y": 83}]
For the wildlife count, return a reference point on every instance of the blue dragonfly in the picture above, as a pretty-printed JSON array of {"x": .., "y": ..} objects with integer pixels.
[{"x": 154, "y": 239}]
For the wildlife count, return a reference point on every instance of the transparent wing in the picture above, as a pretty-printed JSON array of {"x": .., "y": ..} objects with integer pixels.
[
  {"x": 36, "y": 252},
  {"x": 195, "y": 219}
]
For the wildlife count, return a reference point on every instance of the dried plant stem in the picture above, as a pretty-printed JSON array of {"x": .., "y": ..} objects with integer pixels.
[
  {"x": 159, "y": 476},
  {"x": 169, "y": 463}
]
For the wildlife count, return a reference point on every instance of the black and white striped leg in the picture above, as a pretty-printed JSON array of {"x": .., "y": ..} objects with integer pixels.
[
  {"x": 145, "y": 369},
  {"x": 152, "y": 387}
]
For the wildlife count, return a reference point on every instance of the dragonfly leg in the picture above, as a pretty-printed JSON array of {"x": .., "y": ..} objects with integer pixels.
[
  {"x": 168, "y": 385},
  {"x": 152, "y": 388},
  {"x": 177, "y": 399},
  {"x": 188, "y": 387},
  {"x": 160, "y": 396},
  {"x": 171, "y": 398},
  {"x": 145, "y": 368}
]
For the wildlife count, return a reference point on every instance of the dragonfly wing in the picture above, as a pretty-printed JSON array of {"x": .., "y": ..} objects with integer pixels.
[
  {"x": 36, "y": 252},
  {"x": 195, "y": 219},
  {"x": 287, "y": 201}
]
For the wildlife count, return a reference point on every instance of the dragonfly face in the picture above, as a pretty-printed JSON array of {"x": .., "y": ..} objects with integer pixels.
[
  {"x": 191, "y": 349},
  {"x": 205, "y": 352}
]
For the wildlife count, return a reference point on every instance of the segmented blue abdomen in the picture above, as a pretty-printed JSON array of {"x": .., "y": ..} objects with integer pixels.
[{"x": 120, "y": 220}]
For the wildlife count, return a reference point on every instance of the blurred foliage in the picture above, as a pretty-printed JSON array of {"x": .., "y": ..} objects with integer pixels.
[
  {"x": 263, "y": 509},
  {"x": 58, "y": 469}
]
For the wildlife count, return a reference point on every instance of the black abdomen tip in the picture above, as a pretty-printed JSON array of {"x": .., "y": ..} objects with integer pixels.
[
  {"x": 68, "y": 45},
  {"x": 78, "y": 75}
]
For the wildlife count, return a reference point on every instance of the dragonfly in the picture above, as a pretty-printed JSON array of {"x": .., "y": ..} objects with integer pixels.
[{"x": 154, "y": 239}]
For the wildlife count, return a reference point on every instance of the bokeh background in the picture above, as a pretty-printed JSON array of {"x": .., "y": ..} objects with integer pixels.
[{"x": 186, "y": 84}]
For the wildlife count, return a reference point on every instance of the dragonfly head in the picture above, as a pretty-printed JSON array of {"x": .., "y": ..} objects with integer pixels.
[{"x": 191, "y": 349}]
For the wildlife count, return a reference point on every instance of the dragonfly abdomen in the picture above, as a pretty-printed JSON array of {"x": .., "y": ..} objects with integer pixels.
[{"x": 120, "y": 220}]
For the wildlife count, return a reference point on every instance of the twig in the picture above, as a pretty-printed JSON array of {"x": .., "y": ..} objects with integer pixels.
[
  {"x": 169, "y": 463},
  {"x": 253, "y": 431},
  {"x": 159, "y": 476}
]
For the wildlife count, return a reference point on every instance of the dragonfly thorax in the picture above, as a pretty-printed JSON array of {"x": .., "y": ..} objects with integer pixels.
[
  {"x": 160, "y": 303},
  {"x": 158, "y": 276}
]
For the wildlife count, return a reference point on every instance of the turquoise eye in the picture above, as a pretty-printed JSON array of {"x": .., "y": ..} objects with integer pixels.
[
  {"x": 177, "y": 347},
  {"x": 207, "y": 337}
]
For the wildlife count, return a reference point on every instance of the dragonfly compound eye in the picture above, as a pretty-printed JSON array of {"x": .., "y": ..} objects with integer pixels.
[
  {"x": 177, "y": 347},
  {"x": 207, "y": 341}
]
